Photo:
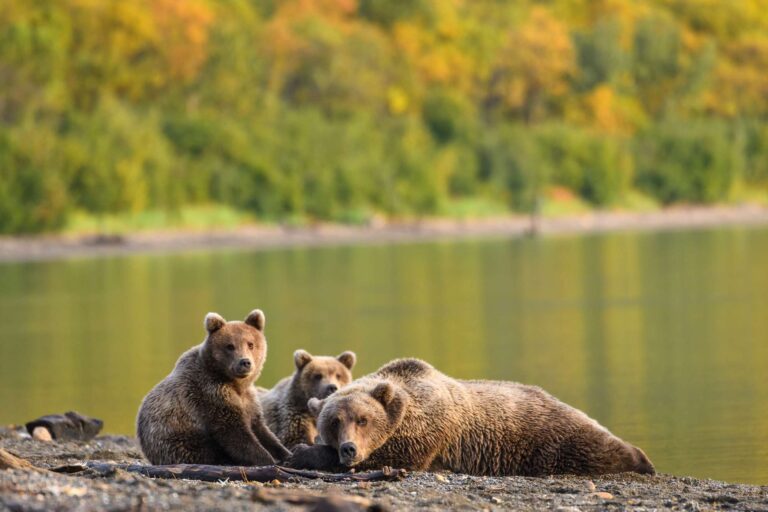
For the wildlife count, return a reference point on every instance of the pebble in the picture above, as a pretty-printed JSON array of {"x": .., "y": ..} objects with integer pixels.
[
  {"x": 440, "y": 478},
  {"x": 496, "y": 500},
  {"x": 603, "y": 495},
  {"x": 591, "y": 486},
  {"x": 567, "y": 509},
  {"x": 42, "y": 434}
]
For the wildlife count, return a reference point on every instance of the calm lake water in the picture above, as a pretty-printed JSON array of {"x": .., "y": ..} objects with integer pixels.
[{"x": 662, "y": 337}]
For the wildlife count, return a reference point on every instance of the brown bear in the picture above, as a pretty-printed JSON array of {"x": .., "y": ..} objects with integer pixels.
[
  {"x": 285, "y": 405},
  {"x": 206, "y": 410},
  {"x": 409, "y": 415}
]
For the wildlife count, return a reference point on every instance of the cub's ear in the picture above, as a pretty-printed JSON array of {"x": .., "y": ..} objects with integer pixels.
[
  {"x": 301, "y": 358},
  {"x": 348, "y": 359},
  {"x": 393, "y": 400},
  {"x": 256, "y": 319},
  {"x": 315, "y": 405},
  {"x": 214, "y": 322}
]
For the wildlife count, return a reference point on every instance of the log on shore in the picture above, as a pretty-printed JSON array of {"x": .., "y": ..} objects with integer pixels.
[{"x": 209, "y": 473}]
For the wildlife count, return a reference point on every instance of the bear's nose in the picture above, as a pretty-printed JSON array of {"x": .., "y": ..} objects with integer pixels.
[
  {"x": 245, "y": 364},
  {"x": 348, "y": 450},
  {"x": 331, "y": 388}
]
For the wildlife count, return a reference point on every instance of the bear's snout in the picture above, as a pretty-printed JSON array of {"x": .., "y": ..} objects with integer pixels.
[
  {"x": 348, "y": 452},
  {"x": 329, "y": 390},
  {"x": 244, "y": 365}
]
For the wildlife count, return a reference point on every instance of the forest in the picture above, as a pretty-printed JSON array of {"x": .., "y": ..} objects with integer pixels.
[{"x": 342, "y": 110}]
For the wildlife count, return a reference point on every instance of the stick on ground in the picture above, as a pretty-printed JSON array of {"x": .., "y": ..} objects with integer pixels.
[
  {"x": 234, "y": 473},
  {"x": 10, "y": 461}
]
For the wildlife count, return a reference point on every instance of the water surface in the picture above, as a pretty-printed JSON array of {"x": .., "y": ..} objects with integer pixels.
[{"x": 662, "y": 337}]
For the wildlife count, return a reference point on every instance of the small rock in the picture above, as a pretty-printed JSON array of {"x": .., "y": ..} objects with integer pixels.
[
  {"x": 496, "y": 500},
  {"x": 591, "y": 486},
  {"x": 275, "y": 482},
  {"x": 440, "y": 478},
  {"x": 603, "y": 495},
  {"x": 42, "y": 434},
  {"x": 567, "y": 509}
]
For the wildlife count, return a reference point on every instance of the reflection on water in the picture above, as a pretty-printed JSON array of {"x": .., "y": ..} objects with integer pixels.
[{"x": 661, "y": 337}]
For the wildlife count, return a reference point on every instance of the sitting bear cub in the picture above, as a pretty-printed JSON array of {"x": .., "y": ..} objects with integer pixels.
[
  {"x": 206, "y": 411},
  {"x": 285, "y": 405},
  {"x": 409, "y": 415}
]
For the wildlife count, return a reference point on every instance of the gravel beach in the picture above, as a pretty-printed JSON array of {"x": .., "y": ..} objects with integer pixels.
[
  {"x": 120, "y": 490},
  {"x": 265, "y": 237}
]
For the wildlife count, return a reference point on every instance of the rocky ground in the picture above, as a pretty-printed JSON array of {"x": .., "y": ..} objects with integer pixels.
[{"x": 120, "y": 490}]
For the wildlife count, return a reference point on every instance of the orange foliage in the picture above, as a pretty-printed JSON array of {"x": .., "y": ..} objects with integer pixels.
[
  {"x": 183, "y": 27},
  {"x": 535, "y": 64}
]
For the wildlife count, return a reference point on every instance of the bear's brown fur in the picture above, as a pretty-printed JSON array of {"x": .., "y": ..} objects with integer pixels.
[
  {"x": 285, "y": 405},
  {"x": 206, "y": 410},
  {"x": 410, "y": 415}
]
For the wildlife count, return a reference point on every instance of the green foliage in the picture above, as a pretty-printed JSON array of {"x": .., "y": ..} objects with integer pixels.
[
  {"x": 688, "y": 161},
  {"x": 600, "y": 54},
  {"x": 343, "y": 110}
]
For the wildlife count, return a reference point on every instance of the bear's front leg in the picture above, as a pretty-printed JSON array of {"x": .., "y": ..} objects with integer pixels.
[
  {"x": 240, "y": 444},
  {"x": 269, "y": 440},
  {"x": 318, "y": 457}
]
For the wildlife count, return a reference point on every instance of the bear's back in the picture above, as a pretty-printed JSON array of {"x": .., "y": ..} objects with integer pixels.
[{"x": 171, "y": 406}]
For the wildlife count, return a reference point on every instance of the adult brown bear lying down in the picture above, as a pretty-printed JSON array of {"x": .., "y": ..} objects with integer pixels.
[{"x": 409, "y": 415}]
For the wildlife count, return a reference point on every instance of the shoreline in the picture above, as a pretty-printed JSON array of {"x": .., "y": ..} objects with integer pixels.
[
  {"x": 263, "y": 237},
  {"x": 38, "y": 489}
]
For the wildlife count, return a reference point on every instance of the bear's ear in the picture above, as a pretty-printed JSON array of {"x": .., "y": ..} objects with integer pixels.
[
  {"x": 384, "y": 393},
  {"x": 348, "y": 359},
  {"x": 301, "y": 358},
  {"x": 315, "y": 405},
  {"x": 394, "y": 401},
  {"x": 214, "y": 322},
  {"x": 256, "y": 319}
]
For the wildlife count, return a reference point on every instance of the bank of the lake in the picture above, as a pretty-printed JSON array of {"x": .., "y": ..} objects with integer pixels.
[
  {"x": 22, "y": 490},
  {"x": 258, "y": 236}
]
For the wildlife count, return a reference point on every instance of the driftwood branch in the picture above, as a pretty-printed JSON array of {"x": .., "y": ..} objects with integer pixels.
[
  {"x": 10, "y": 461},
  {"x": 233, "y": 473},
  {"x": 318, "y": 502}
]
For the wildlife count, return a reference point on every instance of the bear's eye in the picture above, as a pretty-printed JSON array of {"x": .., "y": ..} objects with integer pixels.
[
  {"x": 230, "y": 347},
  {"x": 335, "y": 423},
  {"x": 250, "y": 345},
  {"x": 361, "y": 422},
  {"x": 338, "y": 376},
  {"x": 317, "y": 376}
]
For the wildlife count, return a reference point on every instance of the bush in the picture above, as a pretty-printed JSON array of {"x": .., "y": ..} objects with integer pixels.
[{"x": 688, "y": 161}]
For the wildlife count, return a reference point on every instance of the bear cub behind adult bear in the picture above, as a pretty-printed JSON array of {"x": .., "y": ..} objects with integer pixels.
[
  {"x": 410, "y": 415},
  {"x": 285, "y": 405},
  {"x": 206, "y": 410}
]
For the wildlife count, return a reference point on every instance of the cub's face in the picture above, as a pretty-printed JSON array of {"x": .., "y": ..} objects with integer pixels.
[
  {"x": 359, "y": 421},
  {"x": 319, "y": 376},
  {"x": 236, "y": 349}
]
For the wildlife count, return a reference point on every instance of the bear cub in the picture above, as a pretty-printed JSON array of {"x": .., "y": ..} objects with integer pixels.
[
  {"x": 285, "y": 405},
  {"x": 206, "y": 411}
]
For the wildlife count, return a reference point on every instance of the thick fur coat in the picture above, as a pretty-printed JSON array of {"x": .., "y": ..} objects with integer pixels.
[
  {"x": 409, "y": 415},
  {"x": 285, "y": 405},
  {"x": 206, "y": 410}
]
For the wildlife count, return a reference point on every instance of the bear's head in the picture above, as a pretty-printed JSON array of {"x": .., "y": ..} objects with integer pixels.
[
  {"x": 319, "y": 376},
  {"x": 359, "y": 419},
  {"x": 235, "y": 351}
]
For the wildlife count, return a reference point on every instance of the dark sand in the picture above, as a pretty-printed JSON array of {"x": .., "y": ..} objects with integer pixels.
[{"x": 31, "y": 490}]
